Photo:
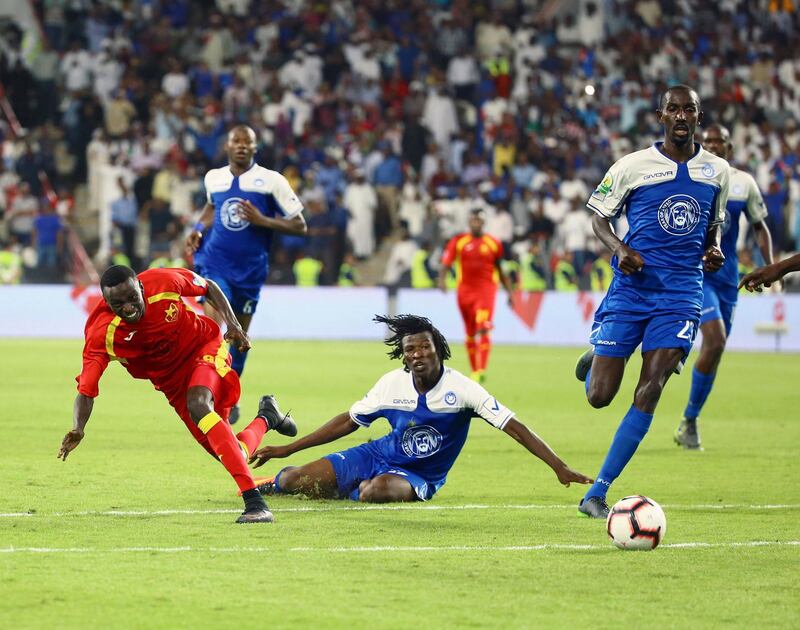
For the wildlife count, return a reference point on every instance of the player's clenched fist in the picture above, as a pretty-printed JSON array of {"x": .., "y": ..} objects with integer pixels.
[
  {"x": 69, "y": 443},
  {"x": 238, "y": 338},
  {"x": 713, "y": 259},
  {"x": 628, "y": 260}
]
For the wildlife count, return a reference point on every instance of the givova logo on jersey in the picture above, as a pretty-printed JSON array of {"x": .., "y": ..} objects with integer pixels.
[
  {"x": 421, "y": 441},
  {"x": 230, "y": 216},
  {"x": 679, "y": 214}
]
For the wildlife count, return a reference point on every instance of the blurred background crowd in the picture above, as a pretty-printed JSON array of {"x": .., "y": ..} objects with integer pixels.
[{"x": 391, "y": 119}]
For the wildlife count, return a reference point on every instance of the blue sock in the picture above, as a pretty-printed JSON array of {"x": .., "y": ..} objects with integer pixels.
[
  {"x": 701, "y": 388},
  {"x": 630, "y": 433},
  {"x": 237, "y": 359},
  {"x": 276, "y": 481},
  {"x": 586, "y": 382}
]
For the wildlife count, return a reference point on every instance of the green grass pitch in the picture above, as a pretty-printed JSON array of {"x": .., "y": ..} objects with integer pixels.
[{"x": 135, "y": 529}]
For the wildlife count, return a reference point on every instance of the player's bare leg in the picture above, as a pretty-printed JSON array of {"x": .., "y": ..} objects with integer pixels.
[
  {"x": 316, "y": 480},
  {"x": 237, "y": 360},
  {"x": 604, "y": 380},
  {"x": 657, "y": 366},
  {"x": 244, "y": 320},
  {"x": 200, "y": 403},
  {"x": 705, "y": 369},
  {"x": 386, "y": 489}
]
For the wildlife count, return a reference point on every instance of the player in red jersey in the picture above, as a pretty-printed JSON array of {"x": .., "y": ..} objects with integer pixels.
[
  {"x": 144, "y": 324},
  {"x": 477, "y": 258}
]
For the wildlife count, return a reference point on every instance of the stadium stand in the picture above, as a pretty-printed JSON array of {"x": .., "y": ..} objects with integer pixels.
[{"x": 377, "y": 112}]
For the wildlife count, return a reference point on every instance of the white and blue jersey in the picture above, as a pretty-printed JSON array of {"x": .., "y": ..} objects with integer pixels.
[
  {"x": 428, "y": 430},
  {"x": 743, "y": 198},
  {"x": 669, "y": 207},
  {"x": 236, "y": 250}
]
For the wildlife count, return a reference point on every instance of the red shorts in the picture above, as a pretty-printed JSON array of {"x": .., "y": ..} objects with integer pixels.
[
  {"x": 477, "y": 310},
  {"x": 211, "y": 368}
]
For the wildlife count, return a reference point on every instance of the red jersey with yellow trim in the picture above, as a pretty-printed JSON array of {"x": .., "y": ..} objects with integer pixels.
[
  {"x": 160, "y": 346},
  {"x": 475, "y": 260}
]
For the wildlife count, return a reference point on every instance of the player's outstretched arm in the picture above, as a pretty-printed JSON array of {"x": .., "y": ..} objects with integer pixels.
[
  {"x": 234, "y": 332},
  {"x": 442, "y": 281},
  {"x": 765, "y": 276},
  {"x": 628, "y": 260},
  {"x": 540, "y": 448},
  {"x": 333, "y": 429},
  {"x": 81, "y": 410}
]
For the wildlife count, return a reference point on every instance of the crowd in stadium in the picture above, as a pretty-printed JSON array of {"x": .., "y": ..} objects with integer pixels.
[{"x": 391, "y": 120}]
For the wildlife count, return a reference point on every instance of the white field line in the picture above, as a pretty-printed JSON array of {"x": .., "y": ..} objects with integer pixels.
[
  {"x": 411, "y": 507},
  {"x": 385, "y": 549}
]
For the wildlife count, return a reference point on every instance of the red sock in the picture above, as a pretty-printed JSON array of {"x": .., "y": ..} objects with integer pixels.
[
  {"x": 484, "y": 348},
  {"x": 220, "y": 437},
  {"x": 472, "y": 353},
  {"x": 250, "y": 437}
]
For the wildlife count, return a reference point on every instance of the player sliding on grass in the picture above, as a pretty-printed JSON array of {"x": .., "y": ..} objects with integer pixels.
[
  {"x": 429, "y": 407},
  {"x": 674, "y": 196},
  {"x": 144, "y": 324}
]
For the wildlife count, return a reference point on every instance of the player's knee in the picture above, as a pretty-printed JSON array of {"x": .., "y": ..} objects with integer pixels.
[
  {"x": 599, "y": 397},
  {"x": 647, "y": 394},
  {"x": 289, "y": 478},
  {"x": 198, "y": 409},
  {"x": 715, "y": 347}
]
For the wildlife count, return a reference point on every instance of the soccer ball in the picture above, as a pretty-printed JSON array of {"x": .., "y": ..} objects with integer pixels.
[{"x": 636, "y": 523}]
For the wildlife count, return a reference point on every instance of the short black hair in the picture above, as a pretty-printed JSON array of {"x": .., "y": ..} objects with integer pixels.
[
  {"x": 682, "y": 87},
  {"x": 402, "y": 325},
  {"x": 116, "y": 274}
]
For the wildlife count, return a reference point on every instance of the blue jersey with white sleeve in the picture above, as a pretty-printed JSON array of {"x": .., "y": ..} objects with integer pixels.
[
  {"x": 235, "y": 249},
  {"x": 428, "y": 430},
  {"x": 669, "y": 207},
  {"x": 743, "y": 198}
]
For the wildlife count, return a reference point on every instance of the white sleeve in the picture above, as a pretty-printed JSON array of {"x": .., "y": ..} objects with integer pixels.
[
  {"x": 609, "y": 197},
  {"x": 208, "y": 192},
  {"x": 756, "y": 210},
  {"x": 486, "y": 406},
  {"x": 289, "y": 204},
  {"x": 369, "y": 408},
  {"x": 722, "y": 196}
]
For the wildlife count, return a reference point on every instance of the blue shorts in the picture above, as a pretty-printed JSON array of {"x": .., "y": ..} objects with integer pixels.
[
  {"x": 618, "y": 334},
  {"x": 365, "y": 462},
  {"x": 716, "y": 307},
  {"x": 242, "y": 299}
]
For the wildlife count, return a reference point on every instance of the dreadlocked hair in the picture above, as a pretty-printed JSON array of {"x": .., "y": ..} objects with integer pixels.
[{"x": 403, "y": 325}]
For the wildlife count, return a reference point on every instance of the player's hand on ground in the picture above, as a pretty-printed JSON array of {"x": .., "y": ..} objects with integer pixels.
[
  {"x": 238, "y": 338},
  {"x": 628, "y": 260},
  {"x": 69, "y": 443},
  {"x": 713, "y": 259},
  {"x": 763, "y": 276},
  {"x": 193, "y": 241},
  {"x": 263, "y": 455},
  {"x": 567, "y": 476},
  {"x": 250, "y": 213}
]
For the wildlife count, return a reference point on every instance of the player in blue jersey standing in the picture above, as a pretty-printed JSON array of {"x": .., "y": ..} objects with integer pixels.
[
  {"x": 429, "y": 407},
  {"x": 245, "y": 204},
  {"x": 720, "y": 290},
  {"x": 674, "y": 195}
]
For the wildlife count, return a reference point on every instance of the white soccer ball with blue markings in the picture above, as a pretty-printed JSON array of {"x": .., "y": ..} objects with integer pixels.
[{"x": 636, "y": 523}]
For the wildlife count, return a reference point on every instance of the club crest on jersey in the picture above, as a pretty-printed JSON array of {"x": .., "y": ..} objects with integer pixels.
[
  {"x": 679, "y": 214},
  {"x": 229, "y": 214},
  {"x": 737, "y": 189},
  {"x": 708, "y": 170},
  {"x": 450, "y": 398},
  {"x": 421, "y": 441},
  {"x": 171, "y": 314}
]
